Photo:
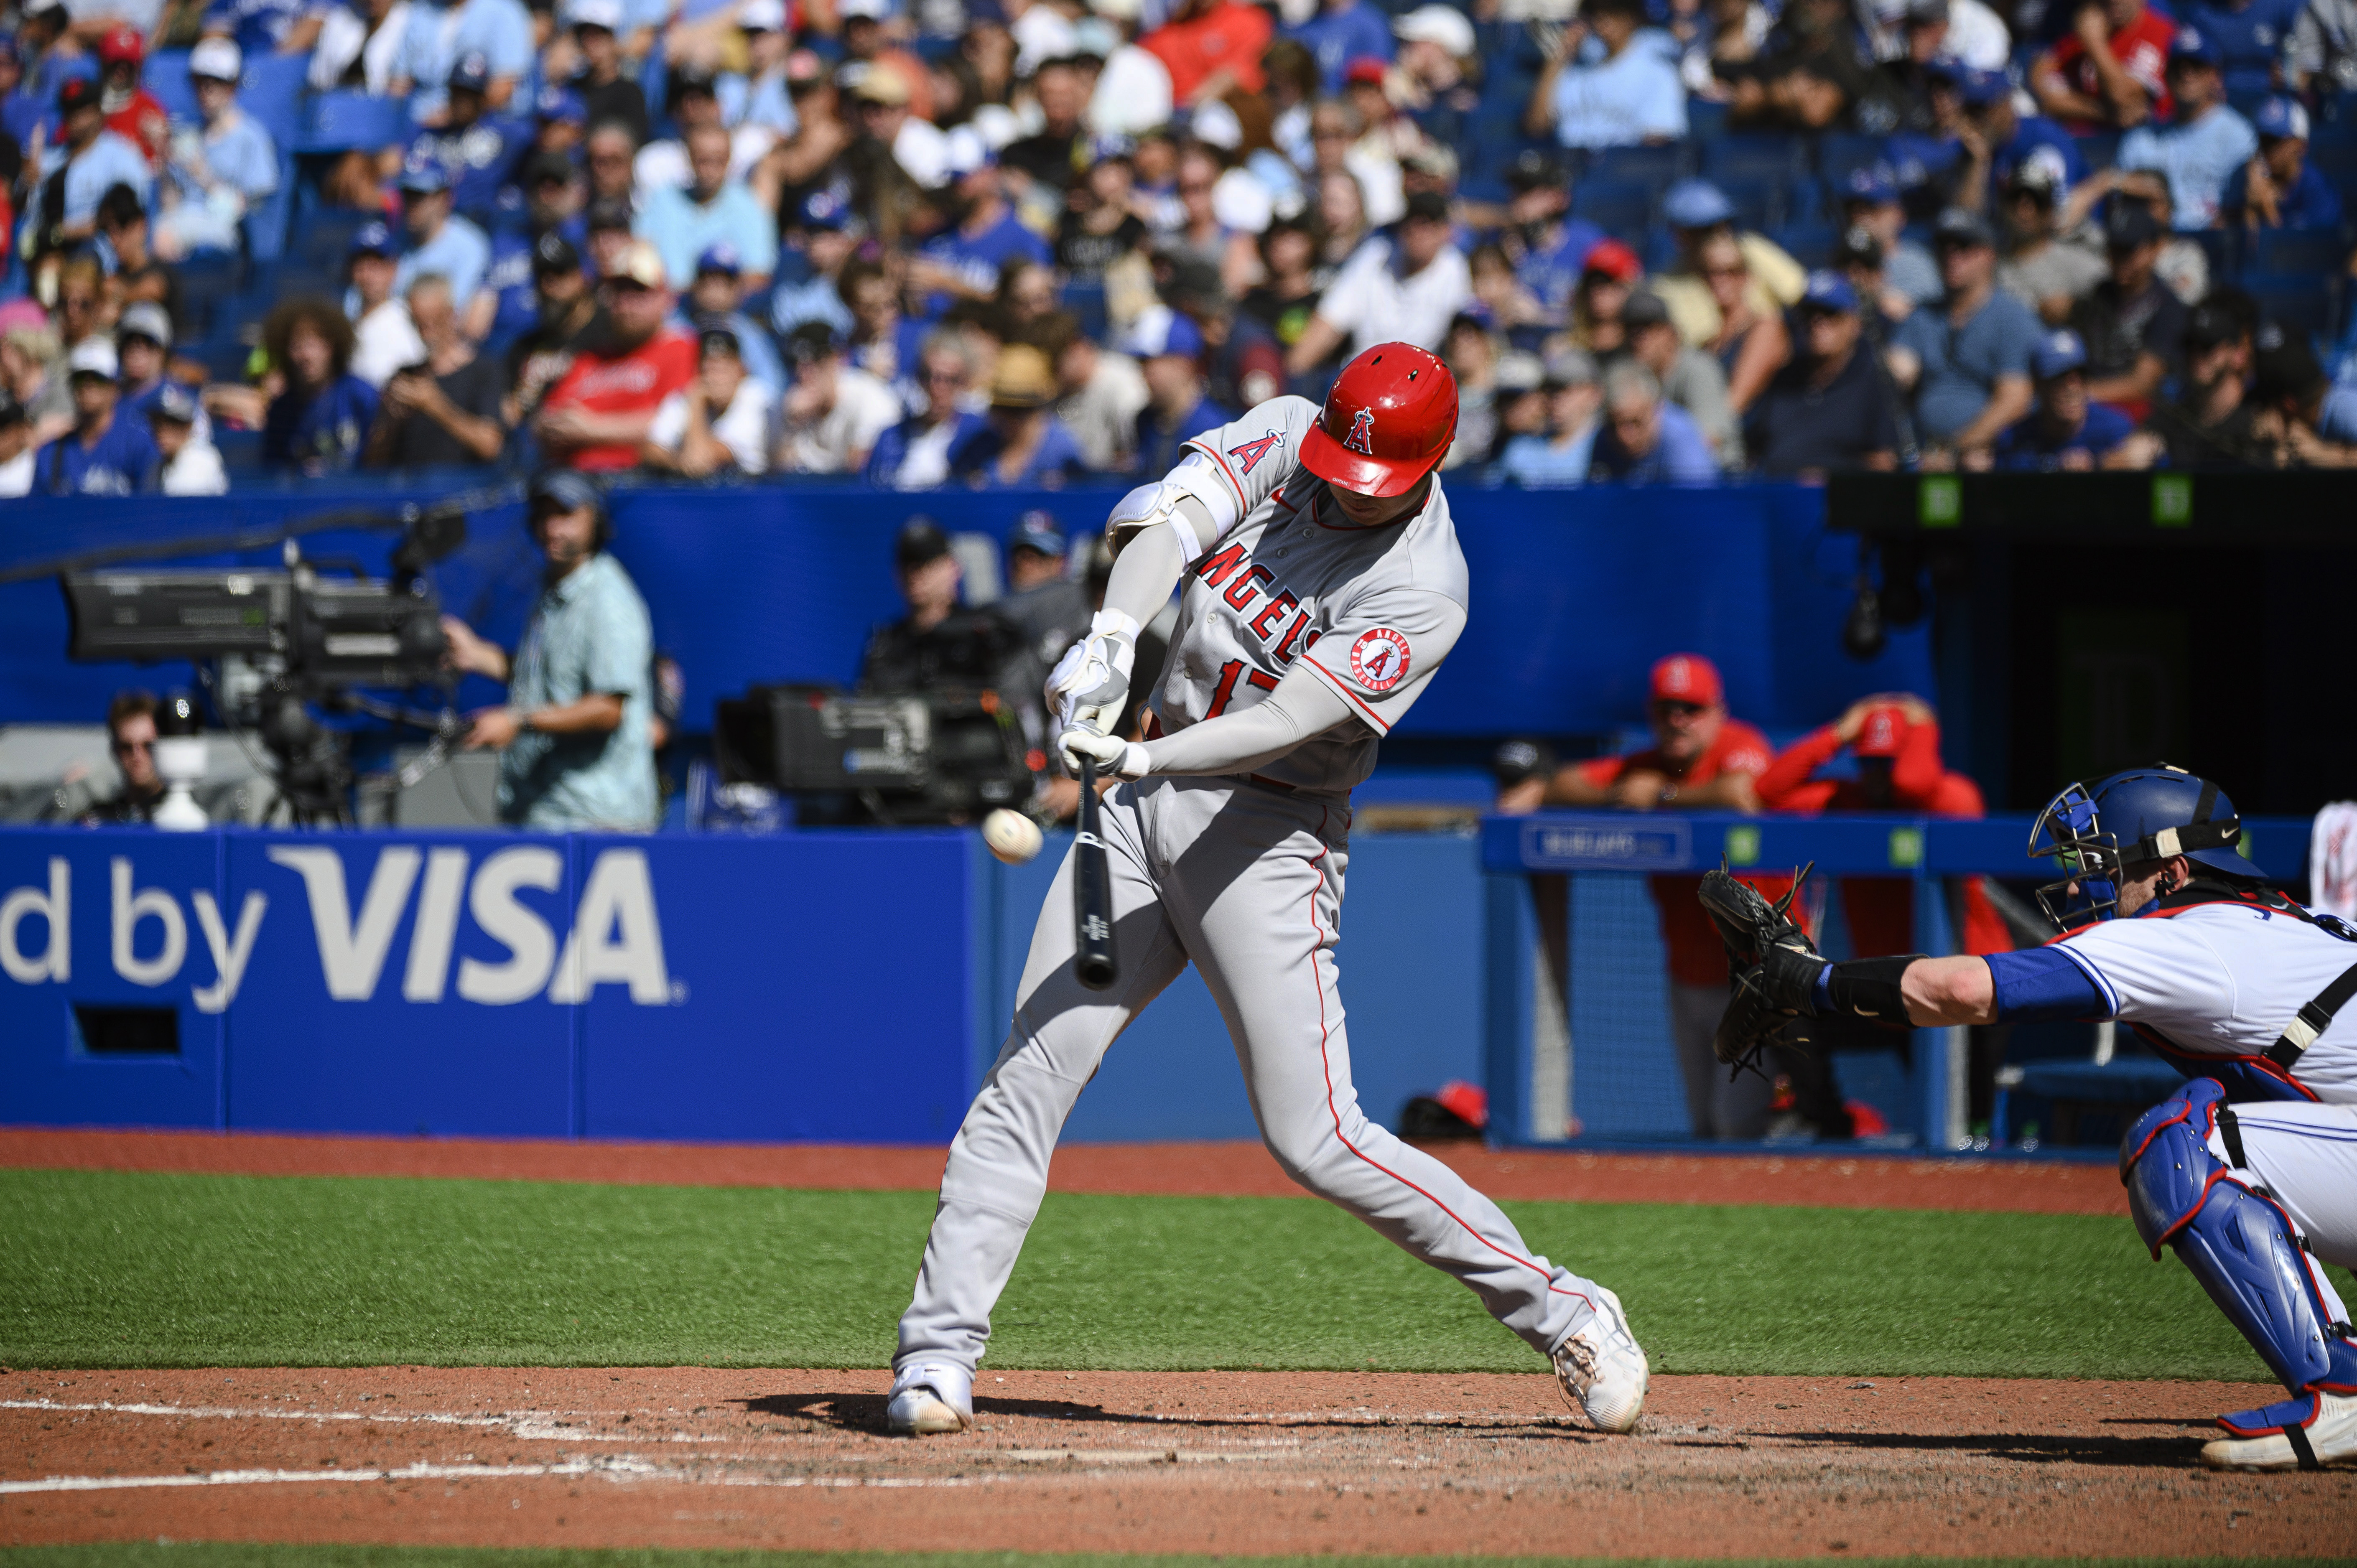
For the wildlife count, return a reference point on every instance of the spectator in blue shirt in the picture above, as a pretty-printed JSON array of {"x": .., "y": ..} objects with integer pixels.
[
  {"x": 1965, "y": 356},
  {"x": 477, "y": 153},
  {"x": 713, "y": 209},
  {"x": 319, "y": 423},
  {"x": 257, "y": 26},
  {"x": 1342, "y": 31},
  {"x": 2280, "y": 188},
  {"x": 2014, "y": 140},
  {"x": 963, "y": 263},
  {"x": 216, "y": 175},
  {"x": 446, "y": 244},
  {"x": 1645, "y": 439},
  {"x": 1025, "y": 445},
  {"x": 21, "y": 109},
  {"x": 1563, "y": 454},
  {"x": 107, "y": 452},
  {"x": 440, "y": 36},
  {"x": 2067, "y": 430},
  {"x": 1614, "y": 83},
  {"x": 554, "y": 198},
  {"x": 2198, "y": 150},
  {"x": 716, "y": 298},
  {"x": 758, "y": 95},
  {"x": 1832, "y": 407},
  {"x": 1169, "y": 349},
  {"x": 1550, "y": 247},
  {"x": 88, "y": 161},
  {"x": 2250, "y": 35}
]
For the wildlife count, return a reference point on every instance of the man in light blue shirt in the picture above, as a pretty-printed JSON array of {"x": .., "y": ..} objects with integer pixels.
[
  {"x": 1646, "y": 439},
  {"x": 1623, "y": 88},
  {"x": 1341, "y": 32},
  {"x": 437, "y": 36},
  {"x": 575, "y": 752},
  {"x": 442, "y": 245},
  {"x": 1564, "y": 455},
  {"x": 221, "y": 172},
  {"x": 2207, "y": 143},
  {"x": 1965, "y": 356},
  {"x": 712, "y": 211},
  {"x": 90, "y": 160}
]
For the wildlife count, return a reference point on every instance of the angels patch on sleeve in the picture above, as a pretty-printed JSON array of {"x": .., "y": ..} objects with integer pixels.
[{"x": 1379, "y": 658}]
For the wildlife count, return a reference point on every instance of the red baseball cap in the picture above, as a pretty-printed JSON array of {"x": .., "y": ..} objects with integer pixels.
[
  {"x": 1614, "y": 260},
  {"x": 122, "y": 45},
  {"x": 1688, "y": 678},
  {"x": 1879, "y": 733},
  {"x": 1366, "y": 67}
]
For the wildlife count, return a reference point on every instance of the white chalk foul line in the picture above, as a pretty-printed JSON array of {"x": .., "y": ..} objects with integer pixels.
[
  {"x": 529, "y": 1426},
  {"x": 268, "y": 1477}
]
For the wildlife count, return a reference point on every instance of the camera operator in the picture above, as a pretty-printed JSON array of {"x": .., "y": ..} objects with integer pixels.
[
  {"x": 941, "y": 642},
  {"x": 573, "y": 737}
]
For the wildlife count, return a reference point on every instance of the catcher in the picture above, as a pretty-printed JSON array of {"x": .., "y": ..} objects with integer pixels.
[{"x": 2250, "y": 1171}]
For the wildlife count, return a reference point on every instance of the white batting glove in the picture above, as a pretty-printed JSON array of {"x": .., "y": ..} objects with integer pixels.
[
  {"x": 1090, "y": 683},
  {"x": 1114, "y": 757}
]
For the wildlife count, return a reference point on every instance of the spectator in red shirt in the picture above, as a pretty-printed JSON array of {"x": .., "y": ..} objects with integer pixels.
[
  {"x": 2112, "y": 72},
  {"x": 597, "y": 417},
  {"x": 1895, "y": 738},
  {"x": 132, "y": 112},
  {"x": 1700, "y": 761},
  {"x": 1210, "y": 47}
]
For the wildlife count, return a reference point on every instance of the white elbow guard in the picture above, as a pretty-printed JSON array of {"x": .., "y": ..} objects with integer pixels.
[{"x": 1156, "y": 503}]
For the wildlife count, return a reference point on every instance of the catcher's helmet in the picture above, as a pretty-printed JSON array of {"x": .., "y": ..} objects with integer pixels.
[
  {"x": 1387, "y": 423},
  {"x": 2098, "y": 829}
]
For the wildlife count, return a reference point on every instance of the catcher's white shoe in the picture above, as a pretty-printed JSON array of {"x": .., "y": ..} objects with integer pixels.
[
  {"x": 1602, "y": 1369},
  {"x": 930, "y": 1396},
  {"x": 2331, "y": 1438}
]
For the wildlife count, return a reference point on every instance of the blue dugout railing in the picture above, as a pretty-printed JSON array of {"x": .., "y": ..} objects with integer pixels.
[{"x": 1928, "y": 852}]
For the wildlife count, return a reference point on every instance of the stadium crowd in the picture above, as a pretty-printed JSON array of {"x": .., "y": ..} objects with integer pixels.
[{"x": 1008, "y": 243}]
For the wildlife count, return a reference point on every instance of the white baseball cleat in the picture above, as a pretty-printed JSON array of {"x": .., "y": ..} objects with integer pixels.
[
  {"x": 2331, "y": 1439},
  {"x": 932, "y": 1396},
  {"x": 1602, "y": 1369}
]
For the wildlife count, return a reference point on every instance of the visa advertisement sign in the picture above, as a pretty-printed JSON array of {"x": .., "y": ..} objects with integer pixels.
[{"x": 516, "y": 985}]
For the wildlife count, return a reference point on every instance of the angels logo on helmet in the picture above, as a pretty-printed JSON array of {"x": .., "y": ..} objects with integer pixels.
[
  {"x": 1362, "y": 432},
  {"x": 1379, "y": 658}
]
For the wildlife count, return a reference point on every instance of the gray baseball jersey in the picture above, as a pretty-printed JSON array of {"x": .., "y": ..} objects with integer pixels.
[
  {"x": 1373, "y": 610},
  {"x": 1243, "y": 878}
]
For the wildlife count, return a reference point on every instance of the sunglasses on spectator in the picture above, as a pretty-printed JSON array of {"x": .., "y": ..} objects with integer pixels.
[
  {"x": 1671, "y": 707},
  {"x": 123, "y": 747}
]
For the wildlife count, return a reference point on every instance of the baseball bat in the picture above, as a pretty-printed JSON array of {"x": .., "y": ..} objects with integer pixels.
[{"x": 1091, "y": 893}]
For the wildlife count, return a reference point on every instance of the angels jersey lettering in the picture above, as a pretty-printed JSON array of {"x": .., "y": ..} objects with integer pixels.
[{"x": 1373, "y": 611}]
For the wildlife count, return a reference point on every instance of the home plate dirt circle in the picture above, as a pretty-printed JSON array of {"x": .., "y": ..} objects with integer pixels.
[{"x": 1229, "y": 1463}]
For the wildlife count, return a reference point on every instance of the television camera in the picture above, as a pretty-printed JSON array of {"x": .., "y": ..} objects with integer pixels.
[{"x": 273, "y": 645}]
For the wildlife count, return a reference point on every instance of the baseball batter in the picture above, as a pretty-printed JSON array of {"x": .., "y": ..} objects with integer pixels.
[
  {"x": 1322, "y": 589},
  {"x": 2250, "y": 1171}
]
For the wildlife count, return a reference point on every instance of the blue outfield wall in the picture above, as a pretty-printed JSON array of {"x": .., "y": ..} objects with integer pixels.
[
  {"x": 822, "y": 986},
  {"x": 1575, "y": 593}
]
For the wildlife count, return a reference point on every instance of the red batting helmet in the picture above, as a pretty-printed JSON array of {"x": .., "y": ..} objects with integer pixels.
[{"x": 1387, "y": 423}]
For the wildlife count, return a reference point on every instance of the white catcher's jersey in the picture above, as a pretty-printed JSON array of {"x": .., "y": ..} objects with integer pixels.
[
  {"x": 1373, "y": 611},
  {"x": 2223, "y": 979}
]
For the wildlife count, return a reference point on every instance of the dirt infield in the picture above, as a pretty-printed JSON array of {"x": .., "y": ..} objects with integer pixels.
[
  {"x": 1232, "y": 1170},
  {"x": 1244, "y": 1463}
]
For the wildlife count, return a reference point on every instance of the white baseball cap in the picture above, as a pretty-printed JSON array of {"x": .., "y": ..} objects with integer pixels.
[
  {"x": 605, "y": 14},
  {"x": 93, "y": 357},
  {"x": 216, "y": 60},
  {"x": 868, "y": 10},
  {"x": 1442, "y": 25},
  {"x": 762, "y": 16}
]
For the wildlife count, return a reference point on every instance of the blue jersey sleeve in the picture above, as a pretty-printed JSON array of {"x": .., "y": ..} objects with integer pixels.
[{"x": 2044, "y": 985}]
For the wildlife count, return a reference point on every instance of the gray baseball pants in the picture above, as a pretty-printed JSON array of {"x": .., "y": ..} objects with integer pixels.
[{"x": 1245, "y": 882}]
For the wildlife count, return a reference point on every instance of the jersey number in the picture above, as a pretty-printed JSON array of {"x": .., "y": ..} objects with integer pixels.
[{"x": 1224, "y": 693}]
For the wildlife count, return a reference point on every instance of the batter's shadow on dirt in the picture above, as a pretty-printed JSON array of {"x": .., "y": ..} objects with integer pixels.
[
  {"x": 2024, "y": 1448},
  {"x": 864, "y": 1411}
]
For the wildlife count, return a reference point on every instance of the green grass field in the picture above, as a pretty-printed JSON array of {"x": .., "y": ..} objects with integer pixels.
[{"x": 117, "y": 1270}]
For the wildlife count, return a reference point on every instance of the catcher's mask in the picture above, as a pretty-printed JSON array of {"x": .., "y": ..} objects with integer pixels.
[{"x": 2097, "y": 830}]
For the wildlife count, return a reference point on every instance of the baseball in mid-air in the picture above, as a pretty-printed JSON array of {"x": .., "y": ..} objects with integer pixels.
[{"x": 1012, "y": 836}]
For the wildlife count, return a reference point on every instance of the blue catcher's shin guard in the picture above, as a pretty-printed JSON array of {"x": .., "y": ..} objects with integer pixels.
[{"x": 2236, "y": 1238}]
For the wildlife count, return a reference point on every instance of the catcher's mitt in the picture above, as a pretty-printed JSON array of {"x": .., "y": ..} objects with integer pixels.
[{"x": 1771, "y": 967}]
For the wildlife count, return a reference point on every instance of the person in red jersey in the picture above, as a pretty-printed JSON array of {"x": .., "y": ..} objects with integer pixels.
[
  {"x": 1895, "y": 738},
  {"x": 1701, "y": 760},
  {"x": 596, "y": 418}
]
